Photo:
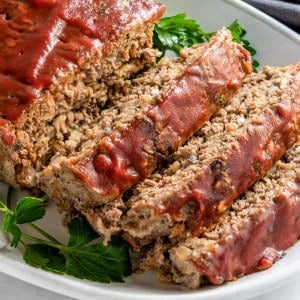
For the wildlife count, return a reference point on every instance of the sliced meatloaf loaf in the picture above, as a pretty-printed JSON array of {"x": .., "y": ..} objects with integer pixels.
[
  {"x": 250, "y": 236},
  {"x": 233, "y": 150},
  {"x": 162, "y": 116},
  {"x": 57, "y": 61}
]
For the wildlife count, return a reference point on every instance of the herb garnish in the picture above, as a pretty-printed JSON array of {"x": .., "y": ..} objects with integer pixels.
[
  {"x": 175, "y": 32},
  {"x": 83, "y": 257}
]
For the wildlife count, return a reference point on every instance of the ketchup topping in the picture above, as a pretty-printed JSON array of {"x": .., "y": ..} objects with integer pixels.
[
  {"x": 259, "y": 243},
  {"x": 213, "y": 192},
  {"x": 124, "y": 158},
  {"x": 39, "y": 38}
]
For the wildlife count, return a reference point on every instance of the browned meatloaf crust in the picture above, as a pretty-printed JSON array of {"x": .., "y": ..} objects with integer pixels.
[
  {"x": 57, "y": 62},
  {"x": 231, "y": 152},
  {"x": 250, "y": 236},
  {"x": 119, "y": 160}
]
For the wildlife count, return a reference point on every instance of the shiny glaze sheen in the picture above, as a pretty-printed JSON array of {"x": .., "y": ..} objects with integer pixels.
[
  {"x": 201, "y": 90},
  {"x": 41, "y": 38},
  {"x": 214, "y": 189},
  {"x": 260, "y": 242}
]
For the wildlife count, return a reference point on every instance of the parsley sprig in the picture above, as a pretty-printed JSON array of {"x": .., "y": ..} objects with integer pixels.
[
  {"x": 83, "y": 256},
  {"x": 175, "y": 32}
]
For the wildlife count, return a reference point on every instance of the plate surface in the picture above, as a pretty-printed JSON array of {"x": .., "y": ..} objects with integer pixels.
[{"x": 276, "y": 45}]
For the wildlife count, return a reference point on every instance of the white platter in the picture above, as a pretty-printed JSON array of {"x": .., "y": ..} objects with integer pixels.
[{"x": 276, "y": 45}]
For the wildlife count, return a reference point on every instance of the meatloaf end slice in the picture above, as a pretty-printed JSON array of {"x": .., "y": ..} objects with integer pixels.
[
  {"x": 125, "y": 156},
  {"x": 249, "y": 237},
  {"x": 229, "y": 153},
  {"x": 57, "y": 61}
]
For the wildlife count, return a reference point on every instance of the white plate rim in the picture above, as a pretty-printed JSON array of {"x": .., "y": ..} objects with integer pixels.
[
  {"x": 69, "y": 286},
  {"x": 268, "y": 20}
]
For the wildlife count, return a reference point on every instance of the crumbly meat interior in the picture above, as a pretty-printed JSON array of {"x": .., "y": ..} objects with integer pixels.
[
  {"x": 128, "y": 100},
  {"x": 140, "y": 222},
  {"x": 251, "y": 234},
  {"x": 139, "y": 135},
  {"x": 60, "y": 119}
]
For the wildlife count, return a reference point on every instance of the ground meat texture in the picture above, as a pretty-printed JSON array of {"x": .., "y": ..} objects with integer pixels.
[
  {"x": 229, "y": 153},
  {"x": 128, "y": 99},
  {"x": 56, "y": 69},
  {"x": 250, "y": 236},
  {"x": 119, "y": 160}
]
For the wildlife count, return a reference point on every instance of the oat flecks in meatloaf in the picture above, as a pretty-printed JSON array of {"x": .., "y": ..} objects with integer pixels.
[
  {"x": 172, "y": 114},
  {"x": 250, "y": 236},
  {"x": 229, "y": 153},
  {"x": 57, "y": 62}
]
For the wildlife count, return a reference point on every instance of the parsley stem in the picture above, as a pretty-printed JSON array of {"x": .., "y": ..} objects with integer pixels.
[
  {"x": 40, "y": 241},
  {"x": 45, "y": 234},
  {"x": 4, "y": 208}
]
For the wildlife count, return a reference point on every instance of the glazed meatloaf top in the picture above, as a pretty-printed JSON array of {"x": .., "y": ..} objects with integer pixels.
[
  {"x": 41, "y": 40},
  {"x": 223, "y": 160},
  {"x": 166, "y": 116},
  {"x": 249, "y": 237},
  {"x": 58, "y": 60}
]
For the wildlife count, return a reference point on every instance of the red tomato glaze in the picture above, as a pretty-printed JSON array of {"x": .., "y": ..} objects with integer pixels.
[{"x": 38, "y": 38}]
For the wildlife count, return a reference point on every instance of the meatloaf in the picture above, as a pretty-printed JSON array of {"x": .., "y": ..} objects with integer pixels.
[
  {"x": 57, "y": 62},
  {"x": 229, "y": 153},
  {"x": 163, "y": 113},
  {"x": 250, "y": 236}
]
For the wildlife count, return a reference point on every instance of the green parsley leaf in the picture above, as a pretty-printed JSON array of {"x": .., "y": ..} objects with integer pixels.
[
  {"x": 83, "y": 257},
  {"x": 80, "y": 233},
  {"x": 118, "y": 249},
  {"x": 236, "y": 30},
  {"x": 29, "y": 209},
  {"x": 89, "y": 267},
  {"x": 9, "y": 226},
  {"x": 98, "y": 262},
  {"x": 174, "y": 33},
  {"x": 45, "y": 257},
  {"x": 238, "y": 34},
  {"x": 94, "y": 262}
]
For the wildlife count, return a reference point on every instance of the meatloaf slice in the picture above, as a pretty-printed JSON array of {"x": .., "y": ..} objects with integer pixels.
[
  {"x": 166, "y": 115},
  {"x": 57, "y": 61},
  {"x": 249, "y": 237},
  {"x": 233, "y": 150},
  {"x": 128, "y": 99}
]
